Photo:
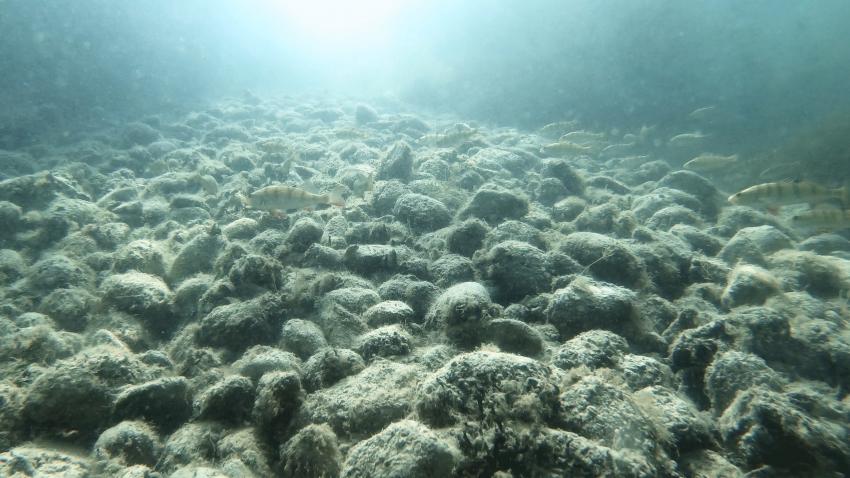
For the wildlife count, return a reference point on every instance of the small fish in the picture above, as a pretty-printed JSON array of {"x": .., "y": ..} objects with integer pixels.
[
  {"x": 582, "y": 136},
  {"x": 687, "y": 139},
  {"x": 711, "y": 162},
  {"x": 701, "y": 113},
  {"x": 822, "y": 219},
  {"x": 563, "y": 148},
  {"x": 278, "y": 197},
  {"x": 789, "y": 192},
  {"x": 555, "y": 130}
]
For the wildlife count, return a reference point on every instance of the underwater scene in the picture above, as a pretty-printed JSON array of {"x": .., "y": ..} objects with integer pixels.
[{"x": 424, "y": 238}]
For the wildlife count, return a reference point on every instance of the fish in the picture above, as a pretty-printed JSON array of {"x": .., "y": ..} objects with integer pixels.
[
  {"x": 562, "y": 148},
  {"x": 789, "y": 192},
  {"x": 687, "y": 139},
  {"x": 278, "y": 197},
  {"x": 822, "y": 219},
  {"x": 582, "y": 136},
  {"x": 554, "y": 130},
  {"x": 707, "y": 162},
  {"x": 701, "y": 113}
]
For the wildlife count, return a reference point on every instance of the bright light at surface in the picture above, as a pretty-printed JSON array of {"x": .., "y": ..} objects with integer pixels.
[{"x": 334, "y": 25}]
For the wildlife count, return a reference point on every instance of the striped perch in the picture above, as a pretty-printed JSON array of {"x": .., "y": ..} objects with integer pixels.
[
  {"x": 279, "y": 198},
  {"x": 790, "y": 192}
]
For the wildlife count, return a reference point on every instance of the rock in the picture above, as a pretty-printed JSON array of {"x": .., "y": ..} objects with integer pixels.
[
  {"x": 568, "y": 209},
  {"x": 445, "y": 397},
  {"x": 688, "y": 428},
  {"x": 418, "y": 294},
  {"x": 405, "y": 448},
  {"x": 749, "y": 285},
  {"x": 768, "y": 238},
  {"x": 313, "y": 452},
  {"x": 641, "y": 371},
  {"x": 229, "y": 400},
  {"x": 516, "y": 270},
  {"x": 255, "y": 273},
  {"x": 820, "y": 276},
  {"x": 421, "y": 213},
  {"x": 734, "y": 218},
  {"x": 142, "y": 295},
  {"x": 262, "y": 359},
  {"x": 606, "y": 258},
  {"x": 279, "y": 395},
  {"x": 694, "y": 184},
  {"x": 142, "y": 256},
  {"x": 43, "y": 463},
  {"x": 586, "y": 304},
  {"x": 385, "y": 341},
  {"x": 670, "y": 216},
  {"x": 451, "y": 269},
  {"x": 515, "y": 337},
  {"x": 139, "y": 133},
  {"x": 365, "y": 114},
  {"x": 359, "y": 407},
  {"x": 825, "y": 244},
  {"x": 466, "y": 237},
  {"x": 593, "y": 349},
  {"x": 561, "y": 170},
  {"x": 330, "y": 365},
  {"x": 303, "y": 234},
  {"x": 494, "y": 204},
  {"x": 371, "y": 259},
  {"x": 698, "y": 240},
  {"x": 193, "y": 443},
  {"x": 126, "y": 444},
  {"x": 397, "y": 164},
  {"x": 12, "y": 266},
  {"x": 243, "y": 228},
  {"x": 165, "y": 402},
  {"x": 240, "y": 325},
  {"x": 732, "y": 372},
  {"x": 302, "y": 337},
  {"x": 59, "y": 272},
  {"x": 599, "y": 411},
  {"x": 798, "y": 433},
  {"x": 462, "y": 312},
  {"x": 549, "y": 191},
  {"x": 244, "y": 453},
  {"x": 512, "y": 230},
  {"x": 196, "y": 256},
  {"x": 323, "y": 257},
  {"x": 70, "y": 308},
  {"x": 385, "y": 195}
]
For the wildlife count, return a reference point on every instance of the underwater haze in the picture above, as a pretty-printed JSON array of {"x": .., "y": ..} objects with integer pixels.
[{"x": 413, "y": 238}]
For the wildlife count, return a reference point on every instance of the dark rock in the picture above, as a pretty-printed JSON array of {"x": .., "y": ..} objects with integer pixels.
[
  {"x": 462, "y": 312},
  {"x": 495, "y": 204},
  {"x": 516, "y": 269},
  {"x": 165, "y": 403},
  {"x": 229, "y": 401},
  {"x": 421, "y": 213},
  {"x": 515, "y": 337},
  {"x": 330, "y": 365},
  {"x": 592, "y": 349}
]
